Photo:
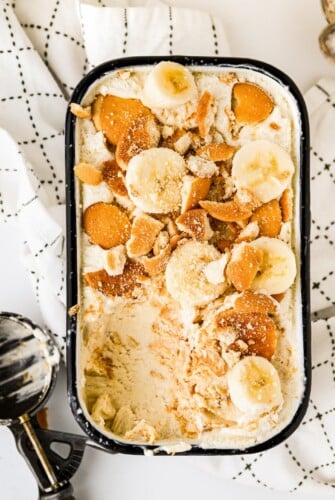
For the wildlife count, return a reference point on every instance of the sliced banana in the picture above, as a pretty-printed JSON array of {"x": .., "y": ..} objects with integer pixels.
[
  {"x": 254, "y": 385},
  {"x": 185, "y": 274},
  {"x": 278, "y": 268},
  {"x": 169, "y": 84},
  {"x": 154, "y": 180},
  {"x": 264, "y": 168}
]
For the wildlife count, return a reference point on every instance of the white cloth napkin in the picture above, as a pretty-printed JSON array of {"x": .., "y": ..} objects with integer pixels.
[
  {"x": 44, "y": 51},
  {"x": 156, "y": 29},
  {"x": 320, "y": 100}
]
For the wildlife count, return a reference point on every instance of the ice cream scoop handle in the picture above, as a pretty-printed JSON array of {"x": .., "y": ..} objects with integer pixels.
[
  {"x": 24, "y": 420},
  {"x": 63, "y": 494}
]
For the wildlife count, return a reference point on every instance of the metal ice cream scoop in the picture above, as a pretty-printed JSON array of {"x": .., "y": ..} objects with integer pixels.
[{"x": 29, "y": 362}]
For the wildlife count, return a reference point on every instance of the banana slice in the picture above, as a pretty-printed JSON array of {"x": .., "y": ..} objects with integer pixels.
[
  {"x": 154, "y": 180},
  {"x": 168, "y": 85},
  {"x": 264, "y": 168},
  {"x": 278, "y": 268},
  {"x": 254, "y": 385},
  {"x": 185, "y": 274}
]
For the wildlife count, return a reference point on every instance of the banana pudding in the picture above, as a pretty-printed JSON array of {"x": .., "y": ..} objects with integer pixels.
[{"x": 189, "y": 323}]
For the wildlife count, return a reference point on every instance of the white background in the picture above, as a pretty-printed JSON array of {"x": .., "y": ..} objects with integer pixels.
[{"x": 285, "y": 34}]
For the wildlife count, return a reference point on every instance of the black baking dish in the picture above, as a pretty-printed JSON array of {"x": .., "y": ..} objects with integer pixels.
[{"x": 72, "y": 275}]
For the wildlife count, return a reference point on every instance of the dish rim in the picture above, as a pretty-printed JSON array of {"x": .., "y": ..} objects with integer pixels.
[{"x": 112, "y": 445}]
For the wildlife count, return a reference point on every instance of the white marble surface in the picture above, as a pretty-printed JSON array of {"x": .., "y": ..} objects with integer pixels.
[{"x": 285, "y": 34}]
